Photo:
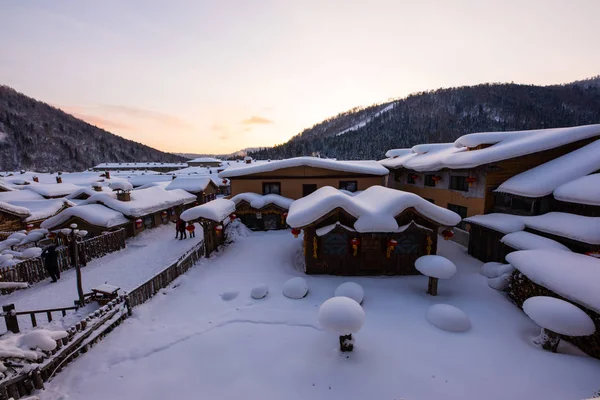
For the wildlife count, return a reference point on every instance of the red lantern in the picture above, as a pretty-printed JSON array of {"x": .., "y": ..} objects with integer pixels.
[
  {"x": 355, "y": 242},
  {"x": 447, "y": 234},
  {"x": 594, "y": 254},
  {"x": 436, "y": 178},
  {"x": 29, "y": 227},
  {"x": 414, "y": 177},
  {"x": 471, "y": 180},
  {"x": 163, "y": 214},
  {"x": 296, "y": 232},
  {"x": 232, "y": 217},
  {"x": 138, "y": 223},
  {"x": 51, "y": 235},
  {"x": 224, "y": 181},
  {"x": 218, "y": 229}
]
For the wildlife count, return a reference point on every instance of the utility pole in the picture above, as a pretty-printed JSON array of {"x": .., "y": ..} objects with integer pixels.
[{"x": 75, "y": 260}]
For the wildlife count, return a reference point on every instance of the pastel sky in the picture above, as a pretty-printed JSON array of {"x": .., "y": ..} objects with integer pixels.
[{"x": 218, "y": 76}]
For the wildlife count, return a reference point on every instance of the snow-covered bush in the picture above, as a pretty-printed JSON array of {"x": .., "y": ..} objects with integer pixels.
[
  {"x": 352, "y": 290},
  {"x": 31, "y": 252},
  {"x": 343, "y": 316},
  {"x": 235, "y": 231},
  {"x": 295, "y": 288},
  {"x": 500, "y": 283},
  {"x": 448, "y": 318},
  {"x": 259, "y": 291}
]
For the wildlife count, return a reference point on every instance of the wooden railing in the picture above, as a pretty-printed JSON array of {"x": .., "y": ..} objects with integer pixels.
[
  {"x": 12, "y": 321},
  {"x": 33, "y": 270}
]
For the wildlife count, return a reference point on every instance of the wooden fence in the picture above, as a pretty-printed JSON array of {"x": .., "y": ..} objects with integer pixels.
[
  {"x": 33, "y": 270},
  {"x": 92, "y": 329}
]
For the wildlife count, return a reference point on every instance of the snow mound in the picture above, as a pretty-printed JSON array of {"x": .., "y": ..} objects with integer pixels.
[
  {"x": 236, "y": 230},
  {"x": 14, "y": 285},
  {"x": 229, "y": 295},
  {"x": 121, "y": 185},
  {"x": 341, "y": 315},
  {"x": 435, "y": 266},
  {"x": 448, "y": 318},
  {"x": 42, "y": 339},
  {"x": 17, "y": 235},
  {"x": 259, "y": 291},
  {"x": 33, "y": 237},
  {"x": 500, "y": 282},
  {"x": 495, "y": 269},
  {"x": 295, "y": 288},
  {"x": 352, "y": 290},
  {"x": 559, "y": 316},
  {"x": 31, "y": 252}
]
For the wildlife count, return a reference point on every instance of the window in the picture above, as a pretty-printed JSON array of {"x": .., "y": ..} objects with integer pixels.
[
  {"x": 350, "y": 186},
  {"x": 522, "y": 204},
  {"x": 429, "y": 180},
  {"x": 460, "y": 210},
  {"x": 308, "y": 189},
  {"x": 148, "y": 221},
  {"x": 410, "y": 178},
  {"x": 335, "y": 244},
  {"x": 459, "y": 183},
  {"x": 271, "y": 188}
]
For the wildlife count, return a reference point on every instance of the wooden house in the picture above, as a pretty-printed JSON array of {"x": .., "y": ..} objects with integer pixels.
[
  {"x": 202, "y": 187},
  {"x": 93, "y": 218},
  {"x": 380, "y": 231},
  {"x": 295, "y": 178},
  {"x": 464, "y": 176},
  {"x": 11, "y": 217},
  {"x": 17, "y": 215},
  {"x": 262, "y": 212},
  {"x": 139, "y": 166},
  {"x": 53, "y": 190},
  {"x": 204, "y": 162},
  {"x": 213, "y": 217}
]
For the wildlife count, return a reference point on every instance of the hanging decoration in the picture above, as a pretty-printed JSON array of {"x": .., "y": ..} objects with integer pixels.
[
  {"x": 355, "y": 242},
  {"x": 138, "y": 223},
  {"x": 447, "y": 234},
  {"x": 283, "y": 218},
  {"x": 391, "y": 245},
  {"x": 436, "y": 179},
  {"x": 315, "y": 247},
  {"x": 233, "y": 217},
  {"x": 429, "y": 243},
  {"x": 471, "y": 180},
  {"x": 296, "y": 232},
  {"x": 218, "y": 229}
]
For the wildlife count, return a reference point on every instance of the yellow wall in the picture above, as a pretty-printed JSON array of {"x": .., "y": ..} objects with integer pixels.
[{"x": 441, "y": 197}]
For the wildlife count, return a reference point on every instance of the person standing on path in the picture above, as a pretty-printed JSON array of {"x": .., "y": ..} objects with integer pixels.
[
  {"x": 177, "y": 230},
  {"x": 50, "y": 257},
  {"x": 182, "y": 229},
  {"x": 191, "y": 229}
]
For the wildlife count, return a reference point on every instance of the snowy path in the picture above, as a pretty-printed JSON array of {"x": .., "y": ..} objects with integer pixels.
[
  {"x": 144, "y": 256},
  {"x": 190, "y": 343}
]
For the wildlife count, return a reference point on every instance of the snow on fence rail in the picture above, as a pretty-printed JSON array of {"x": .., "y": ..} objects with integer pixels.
[
  {"x": 90, "y": 330},
  {"x": 33, "y": 270}
]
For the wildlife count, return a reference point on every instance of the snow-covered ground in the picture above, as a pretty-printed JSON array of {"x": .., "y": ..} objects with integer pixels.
[
  {"x": 144, "y": 256},
  {"x": 207, "y": 338}
]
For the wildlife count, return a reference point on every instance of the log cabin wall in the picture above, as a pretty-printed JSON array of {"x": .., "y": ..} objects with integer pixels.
[
  {"x": 575, "y": 208},
  {"x": 93, "y": 230},
  {"x": 271, "y": 216},
  {"x": 291, "y": 180},
  {"x": 10, "y": 223},
  {"x": 485, "y": 244}
]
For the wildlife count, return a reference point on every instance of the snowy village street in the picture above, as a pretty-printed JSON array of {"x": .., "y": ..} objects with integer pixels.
[
  {"x": 206, "y": 338},
  {"x": 143, "y": 257}
]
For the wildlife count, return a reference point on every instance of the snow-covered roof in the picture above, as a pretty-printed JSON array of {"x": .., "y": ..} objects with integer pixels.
[
  {"x": 5, "y": 186},
  {"x": 216, "y": 210},
  {"x": 95, "y": 214},
  {"x": 53, "y": 189},
  {"x": 358, "y": 167},
  {"x": 140, "y": 180},
  {"x": 14, "y": 210},
  {"x": 374, "y": 208},
  {"x": 121, "y": 185},
  {"x": 20, "y": 195},
  {"x": 326, "y": 229},
  {"x": 544, "y": 179},
  {"x": 188, "y": 183},
  {"x": 148, "y": 165},
  {"x": 259, "y": 201},
  {"x": 205, "y": 159},
  {"x": 87, "y": 191},
  {"x": 571, "y": 226},
  {"x": 143, "y": 201},
  {"x": 397, "y": 152},
  {"x": 585, "y": 190},
  {"x": 529, "y": 241},
  {"x": 41, "y": 209},
  {"x": 500, "y": 146},
  {"x": 571, "y": 275},
  {"x": 505, "y": 223}
]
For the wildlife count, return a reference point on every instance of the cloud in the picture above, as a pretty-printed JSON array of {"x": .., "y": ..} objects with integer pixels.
[
  {"x": 159, "y": 117},
  {"x": 257, "y": 120}
]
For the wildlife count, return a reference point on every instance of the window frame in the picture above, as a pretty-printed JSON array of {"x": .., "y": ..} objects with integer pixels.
[
  {"x": 269, "y": 184},
  {"x": 453, "y": 185},
  {"x": 342, "y": 185},
  {"x": 428, "y": 181}
]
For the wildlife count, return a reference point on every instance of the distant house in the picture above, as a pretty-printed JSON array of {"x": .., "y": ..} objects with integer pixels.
[
  {"x": 93, "y": 218},
  {"x": 214, "y": 218},
  {"x": 262, "y": 212},
  {"x": 17, "y": 215},
  {"x": 202, "y": 187},
  {"x": 139, "y": 166},
  {"x": 380, "y": 231},
  {"x": 295, "y": 178},
  {"x": 53, "y": 190},
  {"x": 204, "y": 162},
  {"x": 469, "y": 176}
]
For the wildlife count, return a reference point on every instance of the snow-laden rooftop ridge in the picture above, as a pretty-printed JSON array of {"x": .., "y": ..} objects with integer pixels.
[
  {"x": 585, "y": 190},
  {"x": 259, "y": 201},
  {"x": 217, "y": 210},
  {"x": 41, "y": 209},
  {"x": 53, "y": 189},
  {"x": 544, "y": 179},
  {"x": 522, "y": 240},
  {"x": 572, "y": 226},
  {"x": 95, "y": 214},
  {"x": 374, "y": 208},
  {"x": 192, "y": 184},
  {"x": 358, "y": 167}
]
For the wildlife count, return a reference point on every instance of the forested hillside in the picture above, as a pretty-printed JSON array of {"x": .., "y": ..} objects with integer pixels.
[{"x": 443, "y": 115}]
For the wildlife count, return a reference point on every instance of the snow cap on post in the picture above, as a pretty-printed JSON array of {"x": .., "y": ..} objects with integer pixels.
[
  {"x": 435, "y": 267},
  {"x": 558, "y": 316},
  {"x": 341, "y": 315},
  {"x": 217, "y": 210}
]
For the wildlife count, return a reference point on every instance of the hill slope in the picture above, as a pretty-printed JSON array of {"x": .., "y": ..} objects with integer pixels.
[
  {"x": 442, "y": 116},
  {"x": 34, "y": 135}
]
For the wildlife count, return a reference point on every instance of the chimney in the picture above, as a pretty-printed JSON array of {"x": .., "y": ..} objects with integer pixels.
[
  {"x": 58, "y": 179},
  {"x": 97, "y": 187},
  {"x": 123, "y": 196},
  {"x": 107, "y": 174},
  {"x": 36, "y": 179}
]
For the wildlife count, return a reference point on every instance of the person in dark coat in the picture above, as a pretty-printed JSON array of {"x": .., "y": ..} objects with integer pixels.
[
  {"x": 182, "y": 229},
  {"x": 50, "y": 257}
]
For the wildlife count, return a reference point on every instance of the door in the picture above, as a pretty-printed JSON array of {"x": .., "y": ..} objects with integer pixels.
[
  {"x": 270, "y": 221},
  {"x": 308, "y": 188}
]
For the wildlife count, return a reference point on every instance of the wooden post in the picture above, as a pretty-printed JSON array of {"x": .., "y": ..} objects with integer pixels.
[
  {"x": 12, "y": 324},
  {"x": 346, "y": 343},
  {"x": 77, "y": 268},
  {"x": 433, "y": 286}
]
